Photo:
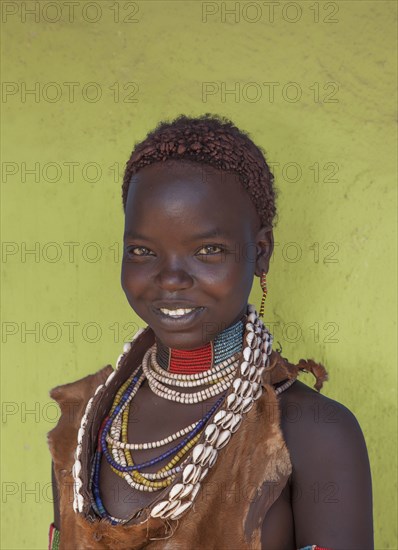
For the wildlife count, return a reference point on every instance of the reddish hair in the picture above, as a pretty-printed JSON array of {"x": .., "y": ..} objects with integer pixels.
[{"x": 215, "y": 141}]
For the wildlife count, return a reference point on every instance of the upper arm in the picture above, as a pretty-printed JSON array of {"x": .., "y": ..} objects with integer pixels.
[
  {"x": 57, "y": 518},
  {"x": 331, "y": 481}
]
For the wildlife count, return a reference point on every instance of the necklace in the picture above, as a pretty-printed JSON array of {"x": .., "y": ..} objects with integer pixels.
[
  {"x": 237, "y": 379},
  {"x": 112, "y": 441},
  {"x": 162, "y": 390},
  {"x": 226, "y": 343},
  {"x": 195, "y": 379},
  {"x": 190, "y": 380}
]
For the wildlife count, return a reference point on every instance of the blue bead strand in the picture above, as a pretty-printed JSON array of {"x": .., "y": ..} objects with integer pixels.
[{"x": 170, "y": 452}]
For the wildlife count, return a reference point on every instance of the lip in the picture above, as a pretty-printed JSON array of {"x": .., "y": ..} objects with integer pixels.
[{"x": 168, "y": 320}]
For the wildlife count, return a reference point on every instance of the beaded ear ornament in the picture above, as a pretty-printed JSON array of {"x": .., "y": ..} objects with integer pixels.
[{"x": 239, "y": 378}]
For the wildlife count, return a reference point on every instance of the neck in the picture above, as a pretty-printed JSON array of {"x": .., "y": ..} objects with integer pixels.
[{"x": 225, "y": 344}]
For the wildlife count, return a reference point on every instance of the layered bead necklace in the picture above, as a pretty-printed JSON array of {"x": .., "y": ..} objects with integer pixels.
[
  {"x": 243, "y": 350},
  {"x": 223, "y": 353}
]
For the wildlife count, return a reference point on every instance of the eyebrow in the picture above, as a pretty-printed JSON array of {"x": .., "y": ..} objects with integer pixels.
[{"x": 215, "y": 232}]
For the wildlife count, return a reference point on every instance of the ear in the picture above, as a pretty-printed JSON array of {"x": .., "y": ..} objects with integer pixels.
[{"x": 265, "y": 248}]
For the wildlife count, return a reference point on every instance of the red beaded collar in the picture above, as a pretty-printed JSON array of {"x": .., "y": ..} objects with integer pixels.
[{"x": 191, "y": 361}]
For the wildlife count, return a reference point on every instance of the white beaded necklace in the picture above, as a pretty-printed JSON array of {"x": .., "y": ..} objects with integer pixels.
[
  {"x": 227, "y": 367},
  {"x": 161, "y": 390},
  {"x": 222, "y": 370}
]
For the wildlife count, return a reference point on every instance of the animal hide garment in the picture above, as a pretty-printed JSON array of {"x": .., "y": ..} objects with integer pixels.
[{"x": 228, "y": 512}]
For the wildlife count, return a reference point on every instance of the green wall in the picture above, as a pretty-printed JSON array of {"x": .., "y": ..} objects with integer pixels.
[{"x": 313, "y": 84}]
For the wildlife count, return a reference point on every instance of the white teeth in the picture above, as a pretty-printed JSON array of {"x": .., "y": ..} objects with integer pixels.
[{"x": 176, "y": 312}]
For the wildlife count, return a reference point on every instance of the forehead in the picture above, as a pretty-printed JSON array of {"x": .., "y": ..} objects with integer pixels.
[{"x": 189, "y": 191}]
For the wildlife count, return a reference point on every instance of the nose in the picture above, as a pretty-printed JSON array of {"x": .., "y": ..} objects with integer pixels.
[{"x": 173, "y": 276}]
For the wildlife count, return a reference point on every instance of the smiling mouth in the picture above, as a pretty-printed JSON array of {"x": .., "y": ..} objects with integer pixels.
[{"x": 179, "y": 313}]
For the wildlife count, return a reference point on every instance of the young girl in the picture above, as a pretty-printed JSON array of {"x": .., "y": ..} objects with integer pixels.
[{"x": 190, "y": 442}]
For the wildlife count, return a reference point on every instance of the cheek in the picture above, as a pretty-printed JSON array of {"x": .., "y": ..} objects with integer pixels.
[
  {"x": 231, "y": 277},
  {"x": 132, "y": 280}
]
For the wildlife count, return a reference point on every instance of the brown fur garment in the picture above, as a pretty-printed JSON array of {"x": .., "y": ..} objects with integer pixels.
[{"x": 249, "y": 475}]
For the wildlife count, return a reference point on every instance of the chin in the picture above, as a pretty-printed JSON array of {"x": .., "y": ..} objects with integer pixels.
[{"x": 180, "y": 341}]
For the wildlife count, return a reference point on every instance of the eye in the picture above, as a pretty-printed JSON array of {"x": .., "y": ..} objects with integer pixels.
[
  {"x": 138, "y": 251},
  {"x": 210, "y": 249}
]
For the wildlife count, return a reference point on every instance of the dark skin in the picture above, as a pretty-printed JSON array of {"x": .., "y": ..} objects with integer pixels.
[{"x": 170, "y": 207}]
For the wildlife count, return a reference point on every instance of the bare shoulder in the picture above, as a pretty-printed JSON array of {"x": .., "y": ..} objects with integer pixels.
[
  {"x": 331, "y": 479},
  {"x": 309, "y": 417}
]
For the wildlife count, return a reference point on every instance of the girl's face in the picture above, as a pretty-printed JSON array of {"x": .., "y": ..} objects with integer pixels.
[{"x": 189, "y": 243}]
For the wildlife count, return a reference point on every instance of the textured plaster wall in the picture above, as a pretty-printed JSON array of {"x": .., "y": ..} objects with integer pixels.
[{"x": 313, "y": 84}]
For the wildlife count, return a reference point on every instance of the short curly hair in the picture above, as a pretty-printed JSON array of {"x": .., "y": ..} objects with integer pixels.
[{"x": 215, "y": 141}]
